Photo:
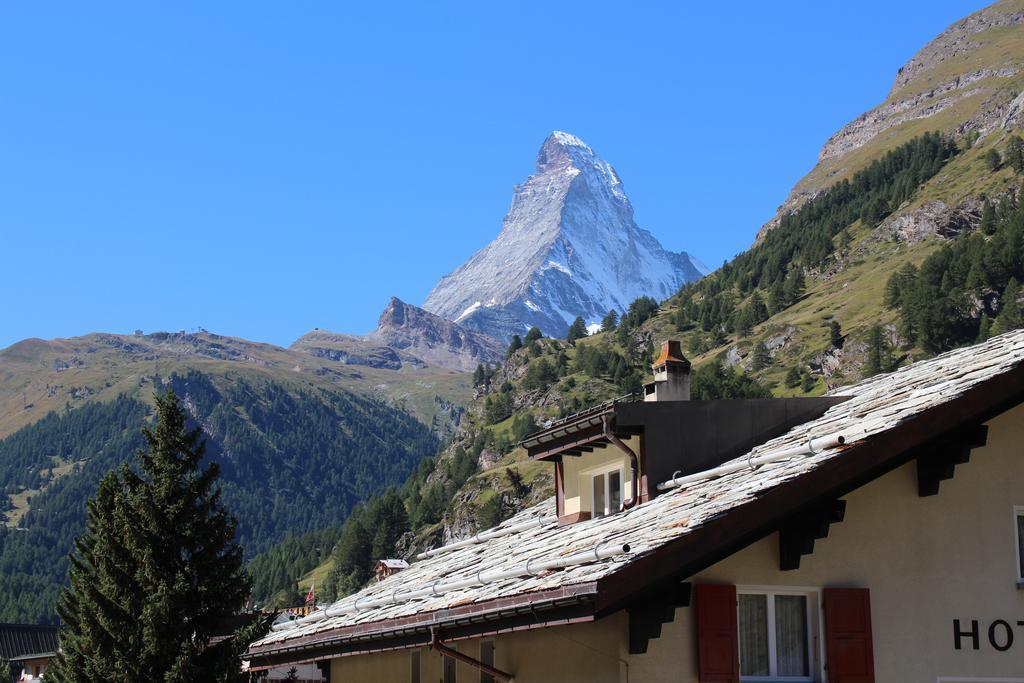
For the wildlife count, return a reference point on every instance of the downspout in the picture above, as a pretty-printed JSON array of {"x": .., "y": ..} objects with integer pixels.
[
  {"x": 634, "y": 463},
  {"x": 436, "y": 644}
]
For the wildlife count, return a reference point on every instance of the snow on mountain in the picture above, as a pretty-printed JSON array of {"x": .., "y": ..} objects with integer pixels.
[{"x": 569, "y": 246}]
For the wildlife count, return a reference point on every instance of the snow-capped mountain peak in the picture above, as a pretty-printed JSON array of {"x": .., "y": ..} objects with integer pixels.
[{"x": 569, "y": 246}]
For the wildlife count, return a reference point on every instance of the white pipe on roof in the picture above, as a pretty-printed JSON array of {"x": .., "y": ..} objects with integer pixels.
[
  {"x": 484, "y": 536},
  {"x": 812, "y": 447},
  {"x": 531, "y": 567}
]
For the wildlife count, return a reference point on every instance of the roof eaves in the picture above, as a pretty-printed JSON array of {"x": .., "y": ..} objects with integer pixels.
[
  {"x": 859, "y": 463},
  {"x": 518, "y": 612}
]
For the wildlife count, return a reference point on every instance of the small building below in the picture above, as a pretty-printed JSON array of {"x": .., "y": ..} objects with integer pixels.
[{"x": 386, "y": 568}]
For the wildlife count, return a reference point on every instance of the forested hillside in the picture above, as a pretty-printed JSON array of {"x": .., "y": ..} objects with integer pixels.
[
  {"x": 859, "y": 280},
  {"x": 970, "y": 288},
  {"x": 290, "y": 459},
  {"x": 481, "y": 477},
  {"x": 783, "y": 318}
]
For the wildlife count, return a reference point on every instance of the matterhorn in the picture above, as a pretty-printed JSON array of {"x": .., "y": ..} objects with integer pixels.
[{"x": 569, "y": 247}]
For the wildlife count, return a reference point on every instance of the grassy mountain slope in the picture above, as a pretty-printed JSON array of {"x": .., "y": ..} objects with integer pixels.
[
  {"x": 967, "y": 85},
  {"x": 969, "y": 79},
  {"x": 38, "y": 376},
  {"x": 292, "y": 457}
]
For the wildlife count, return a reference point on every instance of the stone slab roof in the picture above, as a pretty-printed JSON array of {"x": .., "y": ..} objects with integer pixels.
[
  {"x": 877, "y": 405},
  {"x": 17, "y": 640}
]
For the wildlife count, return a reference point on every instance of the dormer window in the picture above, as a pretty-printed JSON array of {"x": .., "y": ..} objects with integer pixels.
[
  {"x": 606, "y": 490},
  {"x": 611, "y": 457}
]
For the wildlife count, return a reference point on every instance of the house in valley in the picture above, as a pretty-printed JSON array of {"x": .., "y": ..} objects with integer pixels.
[
  {"x": 28, "y": 648},
  {"x": 873, "y": 535}
]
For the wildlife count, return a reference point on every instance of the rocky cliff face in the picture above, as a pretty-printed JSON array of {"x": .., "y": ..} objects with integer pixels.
[
  {"x": 352, "y": 349},
  {"x": 406, "y": 336},
  {"x": 431, "y": 338},
  {"x": 969, "y": 78},
  {"x": 569, "y": 246}
]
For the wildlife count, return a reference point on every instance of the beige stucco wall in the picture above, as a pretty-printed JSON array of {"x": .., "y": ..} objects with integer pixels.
[
  {"x": 582, "y": 653},
  {"x": 927, "y": 561},
  {"x": 579, "y": 497}
]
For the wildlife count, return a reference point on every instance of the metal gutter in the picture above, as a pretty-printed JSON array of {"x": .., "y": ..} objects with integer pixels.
[{"x": 529, "y": 611}]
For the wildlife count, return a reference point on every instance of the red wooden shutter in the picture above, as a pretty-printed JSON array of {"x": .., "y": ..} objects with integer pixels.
[
  {"x": 848, "y": 651},
  {"x": 718, "y": 651}
]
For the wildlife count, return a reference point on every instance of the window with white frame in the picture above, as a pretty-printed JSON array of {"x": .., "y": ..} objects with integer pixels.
[
  {"x": 1018, "y": 518},
  {"x": 776, "y": 634},
  {"x": 605, "y": 490}
]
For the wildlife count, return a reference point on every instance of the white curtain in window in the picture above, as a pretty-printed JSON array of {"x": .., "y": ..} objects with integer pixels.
[
  {"x": 791, "y": 635},
  {"x": 753, "y": 623}
]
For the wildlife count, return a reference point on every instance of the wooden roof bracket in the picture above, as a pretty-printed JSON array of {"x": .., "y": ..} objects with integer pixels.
[
  {"x": 797, "y": 536},
  {"x": 646, "y": 616},
  {"x": 938, "y": 462}
]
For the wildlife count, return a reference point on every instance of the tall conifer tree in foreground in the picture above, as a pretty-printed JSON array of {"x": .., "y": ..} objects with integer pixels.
[{"x": 157, "y": 570}]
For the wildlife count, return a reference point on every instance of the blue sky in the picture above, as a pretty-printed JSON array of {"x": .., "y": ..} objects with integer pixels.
[{"x": 260, "y": 169}]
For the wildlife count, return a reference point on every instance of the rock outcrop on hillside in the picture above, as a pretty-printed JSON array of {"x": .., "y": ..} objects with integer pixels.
[
  {"x": 406, "y": 335},
  {"x": 970, "y": 78},
  {"x": 569, "y": 247},
  {"x": 431, "y": 338}
]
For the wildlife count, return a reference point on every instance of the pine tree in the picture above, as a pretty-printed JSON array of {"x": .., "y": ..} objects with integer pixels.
[
  {"x": 835, "y": 333},
  {"x": 891, "y": 296},
  {"x": 992, "y": 160},
  {"x": 879, "y": 352},
  {"x": 808, "y": 383},
  {"x": 845, "y": 240},
  {"x": 610, "y": 321},
  {"x": 514, "y": 345},
  {"x": 157, "y": 570},
  {"x": 532, "y": 335},
  {"x": 758, "y": 309},
  {"x": 1015, "y": 153},
  {"x": 792, "y": 377},
  {"x": 984, "y": 329},
  {"x": 988, "y": 219},
  {"x": 776, "y": 297},
  {"x": 743, "y": 321},
  {"x": 874, "y": 212},
  {"x": 794, "y": 286},
  {"x": 1010, "y": 315},
  {"x": 578, "y": 330},
  {"x": 717, "y": 337},
  {"x": 760, "y": 358}
]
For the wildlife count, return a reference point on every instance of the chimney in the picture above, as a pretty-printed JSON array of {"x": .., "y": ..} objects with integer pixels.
[{"x": 671, "y": 375}]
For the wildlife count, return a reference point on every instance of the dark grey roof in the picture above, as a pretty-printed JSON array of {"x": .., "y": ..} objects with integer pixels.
[{"x": 17, "y": 640}]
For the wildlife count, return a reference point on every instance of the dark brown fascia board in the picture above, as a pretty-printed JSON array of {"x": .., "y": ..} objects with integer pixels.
[
  {"x": 552, "y": 450},
  {"x": 568, "y": 604},
  {"x": 858, "y": 464}
]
